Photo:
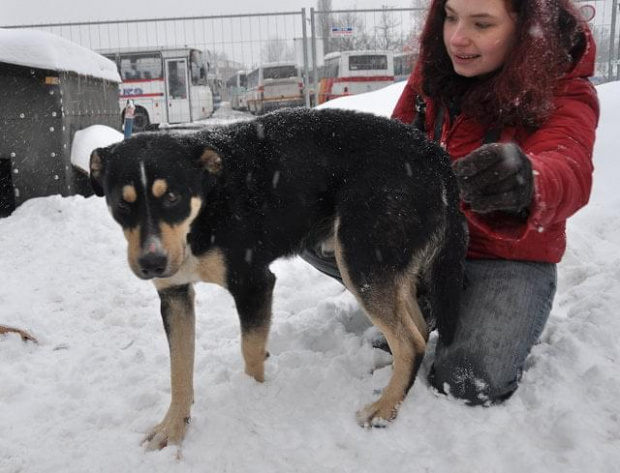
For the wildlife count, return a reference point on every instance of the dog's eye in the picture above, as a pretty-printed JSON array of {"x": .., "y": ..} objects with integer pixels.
[{"x": 171, "y": 198}]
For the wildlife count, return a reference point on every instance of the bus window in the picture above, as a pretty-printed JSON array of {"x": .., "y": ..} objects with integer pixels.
[
  {"x": 177, "y": 84},
  {"x": 280, "y": 72},
  {"x": 141, "y": 66},
  {"x": 368, "y": 62}
]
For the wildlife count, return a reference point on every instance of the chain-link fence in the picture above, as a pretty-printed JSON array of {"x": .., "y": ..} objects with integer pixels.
[{"x": 240, "y": 42}]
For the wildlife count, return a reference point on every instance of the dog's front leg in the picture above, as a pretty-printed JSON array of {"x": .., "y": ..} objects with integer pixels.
[
  {"x": 177, "y": 311},
  {"x": 253, "y": 295}
]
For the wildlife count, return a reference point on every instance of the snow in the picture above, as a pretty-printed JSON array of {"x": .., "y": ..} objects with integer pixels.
[
  {"x": 82, "y": 399},
  {"x": 380, "y": 102},
  {"x": 86, "y": 140},
  {"x": 42, "y": 50}
]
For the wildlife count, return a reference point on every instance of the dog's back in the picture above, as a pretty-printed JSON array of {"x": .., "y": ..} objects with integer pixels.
[{"x": 290, "y": 173}]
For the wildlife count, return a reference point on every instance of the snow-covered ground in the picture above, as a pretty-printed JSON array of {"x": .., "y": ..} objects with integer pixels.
[{"x": 82, "y": 399}]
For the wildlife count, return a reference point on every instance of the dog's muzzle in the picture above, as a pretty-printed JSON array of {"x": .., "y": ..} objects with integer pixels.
[
  {"x": 152, "y": 265},
  {"x": 153, "y": 262}
]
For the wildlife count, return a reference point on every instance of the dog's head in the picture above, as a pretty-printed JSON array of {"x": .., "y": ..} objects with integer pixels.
[{"x": 153, "y": 185}]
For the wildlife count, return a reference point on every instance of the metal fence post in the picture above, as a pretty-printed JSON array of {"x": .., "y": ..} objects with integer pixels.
[
  {"x": 315, "y": 69},
  {"x": 612, "y": 42},
  {"x": 305, "y": 46}
]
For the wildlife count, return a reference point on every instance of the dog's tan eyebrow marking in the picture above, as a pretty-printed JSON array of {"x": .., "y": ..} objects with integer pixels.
[
  {"x": 160, "y": 186},
  {"x": 129, "y": 193}
]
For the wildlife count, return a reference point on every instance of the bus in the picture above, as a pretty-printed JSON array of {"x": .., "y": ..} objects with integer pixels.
[
  {"x": 167, "y": 85},
  {"x": 274, "y": 85},
  {"x": 354, "y": 72},
  {"x": 236, "y": 86},
  {"x": 403, "y": 65}
]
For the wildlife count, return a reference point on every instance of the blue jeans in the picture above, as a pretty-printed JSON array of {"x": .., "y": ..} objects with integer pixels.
[{"x": 504, "y": 308}]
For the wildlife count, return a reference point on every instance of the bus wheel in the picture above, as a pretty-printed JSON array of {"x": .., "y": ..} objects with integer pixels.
[{"x": 141, "y": 119}]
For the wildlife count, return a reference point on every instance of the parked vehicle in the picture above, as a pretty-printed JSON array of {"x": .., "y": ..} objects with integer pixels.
[
  {"x": 166, "y": 85},
  {"x": 274, "y": 85},
  {"x": 403, "y": 65},
  {"x": 354, "y": 72},
  {"x": 237, "y": 90}
]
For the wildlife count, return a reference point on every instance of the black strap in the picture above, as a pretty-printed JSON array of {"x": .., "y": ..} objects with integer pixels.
[
  {"x": 420, "y": 117},
  {"x": 492, "y": 136},
  {"x": 439, "y": 123}
]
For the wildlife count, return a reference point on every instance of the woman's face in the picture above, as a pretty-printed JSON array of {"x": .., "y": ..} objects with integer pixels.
[{"x": 479, "y": 35}]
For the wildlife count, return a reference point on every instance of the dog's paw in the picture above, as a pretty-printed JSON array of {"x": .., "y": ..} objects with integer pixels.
[
  {"x": 171, "y": 431},
  {"x": 378, "y": 414}
]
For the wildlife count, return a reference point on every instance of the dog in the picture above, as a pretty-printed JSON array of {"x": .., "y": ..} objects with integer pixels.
[{"x": 220, "y": 205}]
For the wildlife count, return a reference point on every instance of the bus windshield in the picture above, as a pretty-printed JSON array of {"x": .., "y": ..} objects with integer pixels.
[{"x": 375, "y": 62}]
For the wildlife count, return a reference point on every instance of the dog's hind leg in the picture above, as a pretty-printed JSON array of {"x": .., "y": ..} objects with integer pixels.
[
  {"x": 395, "y": 311},
  {"x": 390, "y": 301},
  {"x": 253, "y": 294},
  {"x": 177, "y": 310}
]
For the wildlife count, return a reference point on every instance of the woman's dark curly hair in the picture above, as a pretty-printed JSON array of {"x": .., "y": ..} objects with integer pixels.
[{"x": 550, "y": 38}]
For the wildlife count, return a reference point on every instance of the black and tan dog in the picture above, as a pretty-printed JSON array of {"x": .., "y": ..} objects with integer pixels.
[{"x": 221, "y": 205}]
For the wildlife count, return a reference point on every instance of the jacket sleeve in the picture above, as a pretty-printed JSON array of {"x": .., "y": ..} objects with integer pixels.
[
  {"x": 561, "y": 156},
  {"x": 404, "y": 110}
]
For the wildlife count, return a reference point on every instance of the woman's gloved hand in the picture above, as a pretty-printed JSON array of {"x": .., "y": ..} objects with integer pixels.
[{"x": 496, "y": 176}]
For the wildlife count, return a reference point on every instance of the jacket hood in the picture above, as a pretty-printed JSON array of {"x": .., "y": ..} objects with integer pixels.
[{"x": 583, "y": 66}]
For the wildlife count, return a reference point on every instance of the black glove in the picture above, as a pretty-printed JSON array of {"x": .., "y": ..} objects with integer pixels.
[{"x": 496, "y": 176}]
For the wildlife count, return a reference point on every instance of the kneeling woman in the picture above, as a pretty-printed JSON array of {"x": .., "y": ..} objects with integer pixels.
[{"x": 507, "y": 94}]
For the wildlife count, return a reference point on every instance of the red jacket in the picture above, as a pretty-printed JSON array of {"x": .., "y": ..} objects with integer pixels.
[{"x": 561, "y": 155}]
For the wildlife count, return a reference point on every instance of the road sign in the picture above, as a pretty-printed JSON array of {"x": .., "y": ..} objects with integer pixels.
[{"x": 340, "y": 31}]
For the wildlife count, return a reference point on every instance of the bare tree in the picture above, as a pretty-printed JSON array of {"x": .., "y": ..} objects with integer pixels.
[
  {"x": 324, "y": 23},
  {"x": 277, "y": 50},
  {"x": 387, "y": 34}
]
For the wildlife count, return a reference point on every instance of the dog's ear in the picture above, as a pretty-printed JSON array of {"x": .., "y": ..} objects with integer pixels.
[
  {"x": 97, "y": 166},
  {"x": 211, "y": 161}
]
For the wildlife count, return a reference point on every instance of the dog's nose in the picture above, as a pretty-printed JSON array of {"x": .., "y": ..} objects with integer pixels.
[{"x": 152, "y": 265}]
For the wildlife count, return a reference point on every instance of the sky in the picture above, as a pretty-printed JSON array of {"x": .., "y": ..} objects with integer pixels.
[
  {"x": 82, "y": 399},
  {"x": 26, "y": 12}
]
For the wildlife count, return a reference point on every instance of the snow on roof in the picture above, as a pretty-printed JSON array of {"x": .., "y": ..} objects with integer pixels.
[{"x": 42, "y": 50}]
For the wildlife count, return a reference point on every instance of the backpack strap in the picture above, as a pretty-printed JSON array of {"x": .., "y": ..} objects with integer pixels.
[
  {"x": 439, "y": 124},
  {"x": 420, "y": 117}
]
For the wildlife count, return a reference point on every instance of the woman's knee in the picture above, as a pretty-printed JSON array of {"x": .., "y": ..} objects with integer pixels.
[{"x": 470, "y": 378}]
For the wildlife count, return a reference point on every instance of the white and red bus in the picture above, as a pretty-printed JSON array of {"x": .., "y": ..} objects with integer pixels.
[
  {"x": 274, "y": 85},
  {"x": 166, "y": 85},
  {"x": 354, "y": 72}
]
